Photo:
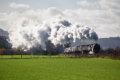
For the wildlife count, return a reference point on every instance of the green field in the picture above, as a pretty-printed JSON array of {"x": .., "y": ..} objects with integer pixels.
[{"x": 54, "y": 68}]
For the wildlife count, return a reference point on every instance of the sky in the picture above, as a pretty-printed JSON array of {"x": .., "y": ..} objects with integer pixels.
[{"x": 101, "y": 15}]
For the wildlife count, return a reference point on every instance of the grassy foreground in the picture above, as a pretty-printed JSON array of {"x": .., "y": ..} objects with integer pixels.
[{"x": 60, "y": 69}]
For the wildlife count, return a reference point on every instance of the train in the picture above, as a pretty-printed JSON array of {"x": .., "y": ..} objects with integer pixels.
[{"x": 84, "y": 49}]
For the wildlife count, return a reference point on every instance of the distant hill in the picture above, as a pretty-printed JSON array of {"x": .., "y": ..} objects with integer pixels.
[
  {"x": 4, "y": 39},
  {"x": 111, "y": 42}
]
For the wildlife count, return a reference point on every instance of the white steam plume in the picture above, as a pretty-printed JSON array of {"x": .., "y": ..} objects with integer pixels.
[{"x": 59, "y": 31}]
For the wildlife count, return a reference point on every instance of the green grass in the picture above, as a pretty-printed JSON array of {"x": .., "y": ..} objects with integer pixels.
[
  {"x": 30, "y": 56},
  {"x": 60, "y": 69}
]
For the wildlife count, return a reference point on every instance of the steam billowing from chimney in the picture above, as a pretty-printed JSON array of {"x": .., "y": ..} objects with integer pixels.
[{"x": 55, "y": 32}]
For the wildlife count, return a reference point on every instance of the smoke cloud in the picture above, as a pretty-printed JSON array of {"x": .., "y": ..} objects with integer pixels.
[{"x": 52, "y": 33}]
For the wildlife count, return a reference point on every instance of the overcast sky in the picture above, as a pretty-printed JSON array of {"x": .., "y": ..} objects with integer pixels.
[{"x": 102, "y": 15}]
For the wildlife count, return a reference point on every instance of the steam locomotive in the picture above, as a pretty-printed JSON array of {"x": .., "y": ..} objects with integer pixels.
[{"x": 84, "y": 49}]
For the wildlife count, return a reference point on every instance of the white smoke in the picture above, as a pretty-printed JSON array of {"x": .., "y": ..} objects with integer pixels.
[{"x": 30, "y": 33}]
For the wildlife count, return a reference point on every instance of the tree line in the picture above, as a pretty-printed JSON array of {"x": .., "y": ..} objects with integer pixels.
[{"x": 104, "y": 53}]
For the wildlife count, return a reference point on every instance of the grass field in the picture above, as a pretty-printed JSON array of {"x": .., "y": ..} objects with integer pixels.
[{"x": 59, "y": 69}]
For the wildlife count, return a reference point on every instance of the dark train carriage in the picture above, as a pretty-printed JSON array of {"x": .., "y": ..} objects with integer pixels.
[{"x": 91, "y": 48}]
